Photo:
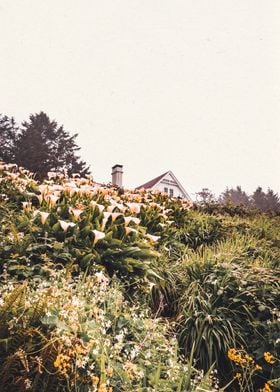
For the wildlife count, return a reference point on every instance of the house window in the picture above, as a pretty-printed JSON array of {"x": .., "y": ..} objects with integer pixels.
[
  {"x": 166, "y": 190},
  {"x": 171, "y": 192}
]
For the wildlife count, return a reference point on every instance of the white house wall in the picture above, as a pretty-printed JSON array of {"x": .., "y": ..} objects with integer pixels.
[{"x": 167, "y": 184}]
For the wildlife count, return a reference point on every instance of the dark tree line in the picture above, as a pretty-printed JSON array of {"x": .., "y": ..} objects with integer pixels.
[
  {"x": 268, "y": 201},
  {"x": 40, "y": 145}
]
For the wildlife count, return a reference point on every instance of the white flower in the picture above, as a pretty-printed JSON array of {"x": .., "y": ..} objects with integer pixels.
[
  {"x": 99, "y": 206},
  {"x": 129, "y": 230},
  {"x": 44, "y": 216},
  {"x": 134, "y": 207},
  {"x": 128, "y": 219},
  {"x": 27, "y": 205},
  {"x": 76, "y": 212},
  {"x": 98, "y": 235},
  {"x": 52, "y": 199},
  {"x": 64, "y": 225},
  {"x": 153, "y": 238}
]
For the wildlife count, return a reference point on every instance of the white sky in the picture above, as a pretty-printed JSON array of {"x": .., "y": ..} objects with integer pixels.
[{"x": 187, "y": 85}]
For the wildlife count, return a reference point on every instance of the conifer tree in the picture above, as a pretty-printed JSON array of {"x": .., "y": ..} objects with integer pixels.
[
  {"x": 8, "y": 136},
  {"x": 43, "y": 146}
]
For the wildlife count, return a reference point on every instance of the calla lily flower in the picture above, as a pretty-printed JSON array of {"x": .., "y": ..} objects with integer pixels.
[
  {"x": 40, "y": 198},
  {"x": 52, "y": 199},
  {"x": 27, "y": 205},
  {"x": 134, "y": 207},
  {"x": 44, "y": 216},
  {"x": 153, "y": 238},
  {"x": 64, "y": 225},
  {"x": 99, "y": 206},
  {"x": 129, "y": 230},
  {"x": 110, "y": 208},
  {"x": 105, "y": 219},
  {"x": 43, "y": 188},
  {"x": 76, "y": 212},
  {"x": 128, "y": 219},
  {"x": 115, "y": 215},
  {"x": 98, "y": 235}
]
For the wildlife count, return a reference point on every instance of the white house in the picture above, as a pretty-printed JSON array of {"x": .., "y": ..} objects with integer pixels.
[{"x": 168, "y": 183}]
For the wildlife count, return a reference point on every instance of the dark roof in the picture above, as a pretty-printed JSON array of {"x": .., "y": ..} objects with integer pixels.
[
  {"x": 150, "y": 184},
  {"x": 117, "y": 165}
]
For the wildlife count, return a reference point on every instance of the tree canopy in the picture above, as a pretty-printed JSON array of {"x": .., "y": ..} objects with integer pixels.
[{"x": 40, "y": 145}]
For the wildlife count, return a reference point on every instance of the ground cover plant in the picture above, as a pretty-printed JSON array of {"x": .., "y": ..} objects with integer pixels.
[{"x": 104, "y": 289}]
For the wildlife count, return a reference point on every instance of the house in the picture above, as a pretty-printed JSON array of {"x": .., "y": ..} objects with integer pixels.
[{"x": 167, "y": 182}]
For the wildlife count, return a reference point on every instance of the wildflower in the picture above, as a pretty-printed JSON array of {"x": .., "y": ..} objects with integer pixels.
[
  {"x": 266, "y": 387},
  {"x": 269, "y": 358},
  {"x": 102, "y": 388},
  {"x": 64, "y": 225},
  {"x": 27, "y": 383},
  {"x": 98, "y": 235},
  {"x": 95, "y": 380}
]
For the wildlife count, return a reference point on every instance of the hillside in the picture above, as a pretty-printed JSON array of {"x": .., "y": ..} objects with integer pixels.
[{"x": 104, "y": 289}]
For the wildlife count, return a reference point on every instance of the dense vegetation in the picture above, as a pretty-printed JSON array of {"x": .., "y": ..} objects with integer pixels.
[
  {"x": 111, "y": 290},
  {"x": 40, "y": 145}
]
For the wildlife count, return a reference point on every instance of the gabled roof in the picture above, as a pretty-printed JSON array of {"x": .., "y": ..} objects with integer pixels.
[{"x": 150, "y": 184}]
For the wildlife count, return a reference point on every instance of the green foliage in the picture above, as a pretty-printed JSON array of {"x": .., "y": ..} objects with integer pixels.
[
  {"x": 96, "y": 283},
  {"x": 40, "y": 145}
]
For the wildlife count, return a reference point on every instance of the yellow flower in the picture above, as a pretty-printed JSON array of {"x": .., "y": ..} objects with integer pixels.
[
  {"x": 102, "y": 388},
  {"x": 269, "y": 358},
  {"x": 56, "y": 363},
  {"x": 266, "y": 388},
  {"x": 95, "y": 380},
  {"x": 237, "y": 376}
]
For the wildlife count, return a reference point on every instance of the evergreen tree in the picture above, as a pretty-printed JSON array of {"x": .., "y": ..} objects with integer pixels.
[
  {"x": 43, "y": 146},
  {"x": 8, "y": 136},
  {"x": 266, "y": 201},
  {"x": 236, "y": 196}
]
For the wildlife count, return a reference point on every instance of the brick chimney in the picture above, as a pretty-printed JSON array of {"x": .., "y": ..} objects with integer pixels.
[{"x": 117, "y": 172}]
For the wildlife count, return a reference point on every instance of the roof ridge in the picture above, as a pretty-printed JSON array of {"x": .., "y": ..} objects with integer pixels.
[{"x": 152, "y": 182}]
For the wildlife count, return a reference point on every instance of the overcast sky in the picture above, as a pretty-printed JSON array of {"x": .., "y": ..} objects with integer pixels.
[{"x": 190, "y": 86}]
